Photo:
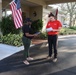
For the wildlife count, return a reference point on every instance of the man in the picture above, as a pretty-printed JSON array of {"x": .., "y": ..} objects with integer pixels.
[
  {"x": 52, "y": 28},
  {"x": 27, "y": 36}
]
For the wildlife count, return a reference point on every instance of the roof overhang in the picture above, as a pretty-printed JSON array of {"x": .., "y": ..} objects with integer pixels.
[
  {"x": 58, "y": 1},
  {"x": 32, "y": 3},
  {"x": 23, "y": 2}
]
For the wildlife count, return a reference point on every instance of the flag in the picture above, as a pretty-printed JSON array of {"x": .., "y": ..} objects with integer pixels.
[
  {"x": 56, "y": 13},
  {"x": 16, "y": 13}
]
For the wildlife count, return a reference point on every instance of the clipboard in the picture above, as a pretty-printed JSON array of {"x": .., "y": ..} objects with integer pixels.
[{"x": 37, "y": 33}]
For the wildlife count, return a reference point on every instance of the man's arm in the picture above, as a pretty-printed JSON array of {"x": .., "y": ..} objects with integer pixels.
[{"x": 30, "y": 35}]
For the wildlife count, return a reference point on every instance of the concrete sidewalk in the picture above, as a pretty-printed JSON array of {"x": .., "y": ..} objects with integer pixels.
[{"x": 8, "y": 50}]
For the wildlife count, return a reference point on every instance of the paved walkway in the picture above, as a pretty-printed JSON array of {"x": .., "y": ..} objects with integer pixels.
[{"x": 66, "y": 64}]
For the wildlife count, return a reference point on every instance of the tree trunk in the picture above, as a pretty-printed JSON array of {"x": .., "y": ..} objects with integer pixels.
[{"x": 70, "y": 23}]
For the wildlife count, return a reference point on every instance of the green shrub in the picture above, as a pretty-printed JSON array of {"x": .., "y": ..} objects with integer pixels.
[
  {"x": 7, "y": 26},
  {"x": 43, "y": 35},
  {"x": 12, "y": 39},
  {"x": 67, "y": 31},
  {"x": 37, "y": 25},
  {"x": 0, "y": 38},
  {"x": 62, "y": 31},
  {"x": 73, "y": 27}
]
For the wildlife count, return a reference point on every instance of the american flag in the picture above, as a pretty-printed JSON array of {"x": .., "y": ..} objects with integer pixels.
[{"x": 16, "y": 13}]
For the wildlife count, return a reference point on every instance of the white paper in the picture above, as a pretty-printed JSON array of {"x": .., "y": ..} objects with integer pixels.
[
  {"x": 49, "y": 29},
  {"x": 37, "y": 33}
]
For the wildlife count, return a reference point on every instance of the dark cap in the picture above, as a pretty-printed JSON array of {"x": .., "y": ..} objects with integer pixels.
[
  {"x": 51, "y": 15},
  {"x": 28, "y": 20}
]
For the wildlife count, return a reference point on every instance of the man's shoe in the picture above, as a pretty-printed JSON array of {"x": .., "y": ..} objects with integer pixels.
[
  {"x": 49, "y": 57},
  {"x": 30, "y": 58},
  {"x": 26, "y": 62},
  {"x": 55, "y": 60}
]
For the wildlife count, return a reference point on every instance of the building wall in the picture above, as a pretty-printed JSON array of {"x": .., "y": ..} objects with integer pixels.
[
  {"x": 0, "y": 13},
  {"x": 26, "y": 9},
  {"x": 39, "y": 2},
  {"x": 38, "y": 10},
  {"x": 29, "y": 12},
  {"x": 0, "y": 9}
]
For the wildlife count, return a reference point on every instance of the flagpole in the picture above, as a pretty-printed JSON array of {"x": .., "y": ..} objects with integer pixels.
[
  {"x": 56, "y": 15},
  {"x": 6, "y": 6}
]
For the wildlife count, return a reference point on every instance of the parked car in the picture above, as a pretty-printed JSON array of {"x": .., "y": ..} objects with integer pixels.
[{"x": 65, "y": 25}]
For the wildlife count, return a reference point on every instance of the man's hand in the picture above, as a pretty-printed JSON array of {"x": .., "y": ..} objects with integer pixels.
[{"x": 35, "y": 35}]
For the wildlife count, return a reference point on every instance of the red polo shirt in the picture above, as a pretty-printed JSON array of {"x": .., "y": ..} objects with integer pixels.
[{"x": 55, "y": 25}]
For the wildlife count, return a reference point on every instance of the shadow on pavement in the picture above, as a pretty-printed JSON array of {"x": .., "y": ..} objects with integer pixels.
[
  {"x": 15, "y": 61},
  {"x": 69, "y": 71}
]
